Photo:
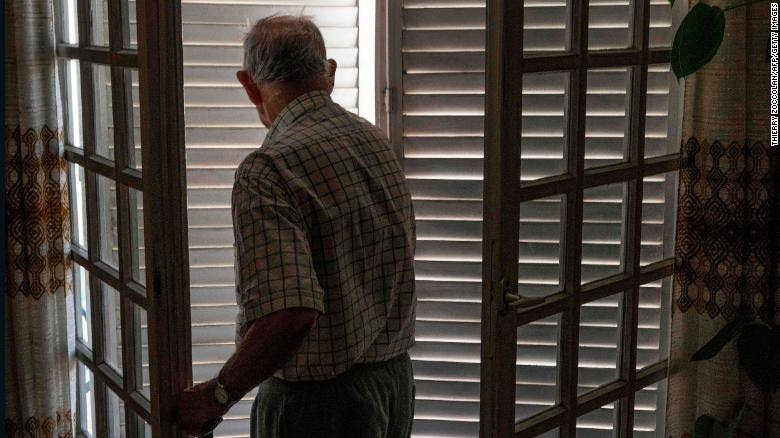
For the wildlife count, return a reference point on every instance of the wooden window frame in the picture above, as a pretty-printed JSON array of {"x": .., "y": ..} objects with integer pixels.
[
  {"x": 162, "y": 183},
  {"x": 504, "y": 192}
]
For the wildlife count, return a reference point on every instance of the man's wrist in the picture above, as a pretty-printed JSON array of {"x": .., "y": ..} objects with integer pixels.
[{"x": 223, "y": 394}]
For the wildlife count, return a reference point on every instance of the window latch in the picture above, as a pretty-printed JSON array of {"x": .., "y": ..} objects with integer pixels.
[{"x": 515, "y": 300}]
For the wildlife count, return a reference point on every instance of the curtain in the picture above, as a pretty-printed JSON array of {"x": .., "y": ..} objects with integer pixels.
[
  {"x": 727, "y": 250},
  {"x": 39, "y": 344}
]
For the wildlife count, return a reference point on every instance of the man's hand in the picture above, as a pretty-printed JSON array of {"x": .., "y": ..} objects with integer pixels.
[
  {"x": 196, "y": 410},
  {"x": 268, "y": 344}
]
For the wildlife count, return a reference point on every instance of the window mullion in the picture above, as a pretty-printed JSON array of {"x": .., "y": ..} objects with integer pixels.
[
  {"x": 85, "y": 23},
  {"x": 574, "y": 156},
  {"x": 102, "y": 426},
  {"x": 501, "y": 217},
  {"x": 633, "y": 218},
  {"x": 87, "y": 111},
  {"x": 572, "y": 263},
  {"x": 98, "y": 322},
  {"x": 632, "y": 234},
  {"x": 165, "y": 206}
]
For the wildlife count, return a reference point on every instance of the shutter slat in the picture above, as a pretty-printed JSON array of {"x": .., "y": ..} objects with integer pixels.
[
  {"x": 241, "y": 15},
  {"x": 220, "y": 54}
]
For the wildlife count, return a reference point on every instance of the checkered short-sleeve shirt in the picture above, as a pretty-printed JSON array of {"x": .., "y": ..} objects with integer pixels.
[{"x": 323, "y": 219}]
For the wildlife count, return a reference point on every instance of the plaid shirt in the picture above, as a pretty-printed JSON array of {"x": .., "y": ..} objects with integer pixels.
[{"x": 323, "y": 219}]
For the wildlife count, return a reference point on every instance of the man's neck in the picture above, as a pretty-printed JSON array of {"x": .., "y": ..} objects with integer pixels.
[{"x": 284, "y": 92}]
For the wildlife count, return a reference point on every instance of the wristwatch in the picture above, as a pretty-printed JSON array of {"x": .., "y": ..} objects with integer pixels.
[{"x": 222, "y": 395}]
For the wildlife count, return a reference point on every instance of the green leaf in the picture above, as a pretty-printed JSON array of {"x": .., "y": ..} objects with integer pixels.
[
  {"x": 704, "y": 426},
  {"x": 697, "y": 39},
  {"x": 723, "y": 337},
  {"x": 671, "y": 2}
]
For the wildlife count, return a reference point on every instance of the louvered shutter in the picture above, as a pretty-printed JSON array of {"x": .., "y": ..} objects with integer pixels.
[
  {"x": 221, "y": 129},
  {"x": 442, "y": 128}
]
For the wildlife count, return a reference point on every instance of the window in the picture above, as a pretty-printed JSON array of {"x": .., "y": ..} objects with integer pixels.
[
  {"x": 98, "y": 67},
  {"x": 591, "y": 217},
  {"x": 121, "y": 233},
  {"x": 579, "y": 183}
]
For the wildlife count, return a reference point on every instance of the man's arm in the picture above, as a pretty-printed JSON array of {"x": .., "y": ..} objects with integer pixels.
[
  {"x": 277, "y": 288},
  {"x": 268, "y": 344}
]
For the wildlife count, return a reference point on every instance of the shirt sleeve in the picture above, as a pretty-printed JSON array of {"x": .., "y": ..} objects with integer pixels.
[{"x": 274, "y": 267}]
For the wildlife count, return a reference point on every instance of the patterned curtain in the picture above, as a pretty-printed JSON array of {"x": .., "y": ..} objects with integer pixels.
[
  {"x": 39, "y": 344},
  {"x": 728, "y": 221}
]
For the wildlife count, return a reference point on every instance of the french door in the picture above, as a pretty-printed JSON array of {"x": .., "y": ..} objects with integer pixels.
[
  {"x": 121, "y": 88},
  {"x": 567, "y": 195}
]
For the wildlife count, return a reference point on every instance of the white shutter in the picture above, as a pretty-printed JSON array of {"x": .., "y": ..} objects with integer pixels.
[
  {"x": 443, "y": 107},
  {"x": 222, "y": 128}
]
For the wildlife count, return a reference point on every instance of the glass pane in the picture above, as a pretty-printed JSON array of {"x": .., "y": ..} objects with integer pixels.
[
  {"x": 73, "y": 124},
  {"x": 649, "y": 411},
  {"x": 99, "y": 11},
  {"x": 653, "y": 331},
  {"x": 83, "y": 306},
  {"x": 607, "y": 116},
  {"x": 144, "y": 429},
  {"x": 141, "y": 336},
  {"x": 661, "y": 34},
  {"x": 137, "y": 249},
  {"x": 610, "y": 24},
  {"x": 112, "y": 330},
  {"x": 545, "y": 117},
  {"x": 546, "y": 26},
  {"x": 130, "y": 30},
  {"x": 658, "y": 124},
  {"x": 537, "y": 366},
  {"x": 70, "y": 22},
  {"x": 116, "y": 417},
  {"x": 147, "y": 429},
  {"x": 109, "y": 251},
  {"x": 540, "y": 246},
  {"x": 104, "y": 118},
  {"x": 78, "y": 205},
  {"x": 658, "y": 201},
  {"x": 598, "y": 423},
  {"x": 602, "y": 231},
  {"x": 134, "y": 122},
  {"x": 599, "y": 342},
  {"x": 86, "y": 399}
]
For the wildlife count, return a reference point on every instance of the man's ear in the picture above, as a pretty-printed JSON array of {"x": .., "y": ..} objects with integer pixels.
[
  {"x": 250, "y": 87},
  {"x": 331, "y": 75}
]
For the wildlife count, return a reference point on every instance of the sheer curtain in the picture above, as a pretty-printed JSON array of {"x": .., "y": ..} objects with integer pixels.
[
  {"x": 38, "y": 286},
  {"x": 725, "y": 258}
]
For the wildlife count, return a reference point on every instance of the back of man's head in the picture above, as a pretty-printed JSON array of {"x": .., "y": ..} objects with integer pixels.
[{"x": 284, "y": 48}]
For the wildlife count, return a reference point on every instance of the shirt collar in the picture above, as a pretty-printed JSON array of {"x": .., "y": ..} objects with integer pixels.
[{"x": 295, "y": 109}]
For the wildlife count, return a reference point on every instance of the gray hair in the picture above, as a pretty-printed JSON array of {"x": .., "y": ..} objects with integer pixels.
[{"x": 284, "y": 48}]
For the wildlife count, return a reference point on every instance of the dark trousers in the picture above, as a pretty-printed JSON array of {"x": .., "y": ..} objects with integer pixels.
[{"x": 368, "y": 401}]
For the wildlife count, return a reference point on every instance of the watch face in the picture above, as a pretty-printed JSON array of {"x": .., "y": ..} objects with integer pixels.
[{"x": 221, "y": 395}]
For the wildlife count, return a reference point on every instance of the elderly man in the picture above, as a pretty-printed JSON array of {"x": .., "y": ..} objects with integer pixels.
[{"x": 324, "y": 232}]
